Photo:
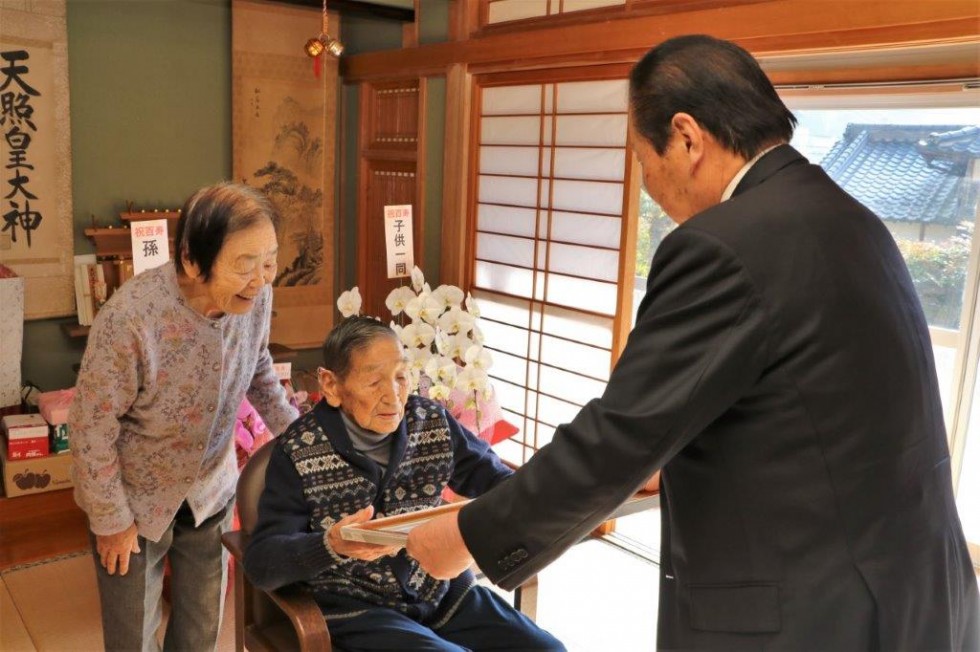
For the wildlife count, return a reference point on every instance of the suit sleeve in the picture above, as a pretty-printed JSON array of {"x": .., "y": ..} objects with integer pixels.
[{"x": 698, "y": 344}]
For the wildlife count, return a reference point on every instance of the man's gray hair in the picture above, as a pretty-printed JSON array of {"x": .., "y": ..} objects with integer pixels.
[{"x": 350, "y": 335}]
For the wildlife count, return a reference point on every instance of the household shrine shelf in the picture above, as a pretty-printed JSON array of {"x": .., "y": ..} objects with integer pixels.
[{"x": 115, "y": 241}]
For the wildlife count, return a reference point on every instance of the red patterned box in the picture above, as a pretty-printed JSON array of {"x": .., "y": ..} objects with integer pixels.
[{"x": 27, "y": 436}]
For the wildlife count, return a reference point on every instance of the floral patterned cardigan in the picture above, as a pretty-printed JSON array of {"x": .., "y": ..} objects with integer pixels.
[{"x": 153, "y": 419}]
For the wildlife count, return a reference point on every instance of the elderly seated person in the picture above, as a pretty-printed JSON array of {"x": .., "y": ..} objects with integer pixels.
[{"x": 371, "y": 449}]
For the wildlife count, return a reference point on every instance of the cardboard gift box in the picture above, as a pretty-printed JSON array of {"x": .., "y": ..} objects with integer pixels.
[
  {"x": 59, "y": 438},
  {"x": 35, "y": 475},
  {"x": 27, "y": 435}
]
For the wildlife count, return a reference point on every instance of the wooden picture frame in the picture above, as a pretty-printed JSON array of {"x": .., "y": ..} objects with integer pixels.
[{"x": 393, "y": 530}]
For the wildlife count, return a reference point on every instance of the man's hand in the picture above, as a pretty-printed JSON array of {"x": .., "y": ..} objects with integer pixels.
[
  {"x": 114, "y": 549},
  {"x": 438, "y": 547},
  {"x": 357, "y": 549}
]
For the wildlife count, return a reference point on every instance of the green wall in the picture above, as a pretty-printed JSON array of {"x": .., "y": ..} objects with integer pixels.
[
  {"x": 151, "y": 104},
  {"x": 150, "y": 122}
]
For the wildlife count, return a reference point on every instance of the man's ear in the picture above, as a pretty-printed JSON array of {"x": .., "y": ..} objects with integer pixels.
[
  {"x": 330, "y": 387},
  {"x": 691, "y": 136}
]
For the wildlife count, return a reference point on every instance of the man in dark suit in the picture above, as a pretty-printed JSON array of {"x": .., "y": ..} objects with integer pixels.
[{"x": 781, "y": 375}]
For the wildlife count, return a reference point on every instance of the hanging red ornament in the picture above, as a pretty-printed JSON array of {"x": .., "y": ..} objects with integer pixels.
[{"x": 315, "y": 47}]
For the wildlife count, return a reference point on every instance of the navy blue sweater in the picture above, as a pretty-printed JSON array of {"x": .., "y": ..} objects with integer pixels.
[{"x": 316, "y": 477}]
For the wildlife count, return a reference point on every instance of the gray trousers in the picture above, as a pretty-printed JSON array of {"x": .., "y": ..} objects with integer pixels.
[{"x": 132, "y": 603}]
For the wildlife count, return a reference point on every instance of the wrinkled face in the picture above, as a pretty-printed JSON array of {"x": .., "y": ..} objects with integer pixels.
[
  {"x": 245, "y": 263},
  {"x": 375, "y": 390},
  {"x": 665, "y": 176}
]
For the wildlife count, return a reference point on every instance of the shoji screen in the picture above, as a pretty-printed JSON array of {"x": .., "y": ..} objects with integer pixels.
[{"x": 549, "y": 207}]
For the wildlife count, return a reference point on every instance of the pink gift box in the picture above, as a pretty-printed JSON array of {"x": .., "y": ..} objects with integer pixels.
[{"x": 54, "y": 406}]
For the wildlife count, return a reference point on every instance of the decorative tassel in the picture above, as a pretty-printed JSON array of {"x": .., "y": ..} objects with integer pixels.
[{"x": 317, "y": 64}]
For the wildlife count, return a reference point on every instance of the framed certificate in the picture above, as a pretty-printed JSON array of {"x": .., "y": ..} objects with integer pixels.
[{"x": 393, "y": 530}]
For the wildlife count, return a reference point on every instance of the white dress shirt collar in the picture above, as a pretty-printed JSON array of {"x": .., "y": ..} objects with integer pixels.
[{"x": 730, "y": 188}]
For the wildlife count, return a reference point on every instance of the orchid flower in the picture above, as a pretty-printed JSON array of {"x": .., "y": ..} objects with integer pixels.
[
  {"x": 414, "y": 375},
  {"x": 456, "y": 320},
  {"x": 441, "y": 370},
  {"x": 456, "y": 346},
  {"x": 418, "y": 279},
  {"x": 471, "y": 306},
  {"x": 440, "y": 393},
  {"x": 471, "y": 379},
  {"x": 476, "y": 335},
  {"x": 398, "y": 298},
  {"x": 416, "y": 358},
  {"x": 349, "y": 303},
  {"x": 448, "y": 296},
  {"x": 418, "y": 334},
  {"x": 478, "y": 358},
  {"x": 443, "y": 341},
  {"x": 424, "y": 308},
  {"x": 398, "y": 329}
]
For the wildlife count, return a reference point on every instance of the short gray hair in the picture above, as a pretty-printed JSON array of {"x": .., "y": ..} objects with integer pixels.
[
  {"x": 350, "y": 335},
  {"x": 213, "y": 213}
]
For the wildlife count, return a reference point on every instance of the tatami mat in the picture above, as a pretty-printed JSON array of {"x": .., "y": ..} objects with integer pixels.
[
  {"x": 53, "y": 606},
  {"x": 57, "y": 604},
  {"x": 13, "y": 633}
]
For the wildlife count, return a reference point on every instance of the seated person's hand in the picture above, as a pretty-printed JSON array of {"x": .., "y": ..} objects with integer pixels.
[
  {"x": 357, "y": 549},
  {"x": 653, "y": 484}
]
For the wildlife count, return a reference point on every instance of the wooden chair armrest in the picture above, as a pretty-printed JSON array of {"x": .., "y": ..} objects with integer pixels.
[
  {"x": 296, "y": 603},
  {"x": 305, "y": 615}
]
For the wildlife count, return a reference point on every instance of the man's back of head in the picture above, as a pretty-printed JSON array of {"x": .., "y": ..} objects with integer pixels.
[{"x": 719, "y": 84}]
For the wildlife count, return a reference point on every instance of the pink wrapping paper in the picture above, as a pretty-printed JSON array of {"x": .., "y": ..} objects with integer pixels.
[{"x": 54, "y": 405}]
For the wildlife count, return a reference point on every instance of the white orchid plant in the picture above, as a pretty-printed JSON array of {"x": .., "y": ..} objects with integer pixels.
[{"x": 443, "y": 346}]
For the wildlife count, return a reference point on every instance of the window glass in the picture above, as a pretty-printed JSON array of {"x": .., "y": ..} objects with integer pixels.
[{"x": 917, "y": 170}]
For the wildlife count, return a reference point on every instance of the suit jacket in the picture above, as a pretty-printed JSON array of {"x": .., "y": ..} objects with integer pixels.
[{"x": 781, "y": 374}]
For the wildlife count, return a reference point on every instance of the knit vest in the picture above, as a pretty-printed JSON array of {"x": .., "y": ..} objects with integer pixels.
[{"x": 333, "y": 488}]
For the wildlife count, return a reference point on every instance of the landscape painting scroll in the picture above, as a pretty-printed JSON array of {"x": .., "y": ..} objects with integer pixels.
[{"x": 284, "y": 122}]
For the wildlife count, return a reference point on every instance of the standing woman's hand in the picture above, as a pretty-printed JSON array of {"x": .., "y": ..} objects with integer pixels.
[{"x": 114, "y": 549}]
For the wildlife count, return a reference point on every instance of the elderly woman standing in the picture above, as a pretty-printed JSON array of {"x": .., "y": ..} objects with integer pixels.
[{"x": 169, "y": 359}]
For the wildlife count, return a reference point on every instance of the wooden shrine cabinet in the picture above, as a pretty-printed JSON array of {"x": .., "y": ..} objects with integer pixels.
[
  {"x": 98, "y": 276},
  {"x": 113, "y": 245}
]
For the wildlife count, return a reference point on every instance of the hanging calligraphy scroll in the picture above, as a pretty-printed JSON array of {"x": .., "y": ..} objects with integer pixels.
[
  {"x": 35, "y": 157},
  {"x": 284, "y": 122}
]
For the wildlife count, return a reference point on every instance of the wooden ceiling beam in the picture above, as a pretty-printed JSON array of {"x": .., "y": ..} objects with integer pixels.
[
  {"x": 358, "y": 8},
  {"x": 766, "y": 29}
]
